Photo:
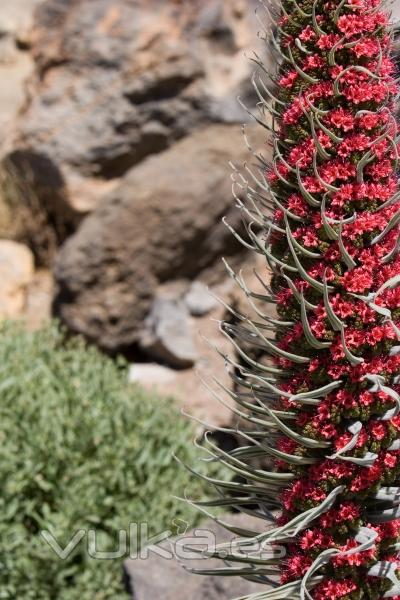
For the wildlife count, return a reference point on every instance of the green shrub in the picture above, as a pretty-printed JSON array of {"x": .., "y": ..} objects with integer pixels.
[{"x": 79, "y": 449}]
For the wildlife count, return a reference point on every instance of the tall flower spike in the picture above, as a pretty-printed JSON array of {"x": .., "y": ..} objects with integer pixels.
[{"x": 322, "y": 406}]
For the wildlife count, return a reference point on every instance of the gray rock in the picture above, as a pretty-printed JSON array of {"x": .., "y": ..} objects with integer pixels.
[
  {"x": 119, "y": 80},
  {"x": 199, "y": 300},
  {"x": 162, "y": 223},
  {"x": 151, "y": 375},
  {"x": 167, "y": 336},
  {"x": 159, "y": 577}
]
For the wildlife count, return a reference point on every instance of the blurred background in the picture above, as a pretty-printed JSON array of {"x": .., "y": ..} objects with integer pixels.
[{"x": 119, "y": 119}]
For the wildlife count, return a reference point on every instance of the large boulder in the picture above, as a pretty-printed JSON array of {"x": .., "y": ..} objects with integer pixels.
[
  {"x": 119, "y": 80},
  {"x": 162, "y": 223}
]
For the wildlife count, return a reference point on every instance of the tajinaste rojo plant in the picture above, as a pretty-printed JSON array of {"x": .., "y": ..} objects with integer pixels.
[{"x": 326, "y": 407}]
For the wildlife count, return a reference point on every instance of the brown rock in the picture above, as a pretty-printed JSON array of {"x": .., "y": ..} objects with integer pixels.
[
  {"x": 15, "y": 62},
  {"x": 39, "y": 299},
  {"x": 16, "y": 273},
  {"x": 162, "y": 223}
]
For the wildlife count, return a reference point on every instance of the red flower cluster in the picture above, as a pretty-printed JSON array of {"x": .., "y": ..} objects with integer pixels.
[{"x": 339, "y": 179}]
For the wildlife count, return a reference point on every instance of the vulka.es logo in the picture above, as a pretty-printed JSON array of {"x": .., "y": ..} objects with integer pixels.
[
  {"x": 136, "y": 543},
  {"x": 127, "y": 543}
]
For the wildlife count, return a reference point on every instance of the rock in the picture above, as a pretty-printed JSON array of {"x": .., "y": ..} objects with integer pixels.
[
  {"x": 39, "y": 299},
  {"x": 166, "y": 335},
  {"x": 27, "y": 215},
  {"x": 15, "y": 63},
  {"x": 162, "y": 223},
  {"x": 16, "y": 272},
  {"x": 199, "y": 300},
  {"x": 151, "y": 375},
  {"x": 175, "y": 289},
  {"x": 161, "y": 575},
  {"x": 185, "y": 385},
  {"x": 119, "y": 80},
  {"x": 16, "y": 17}
]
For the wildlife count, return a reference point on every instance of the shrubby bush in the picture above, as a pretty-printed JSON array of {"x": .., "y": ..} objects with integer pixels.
[{"x": 79, "y": 449}]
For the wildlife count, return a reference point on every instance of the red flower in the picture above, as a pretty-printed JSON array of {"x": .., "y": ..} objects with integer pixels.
[
  {"x": 307, "y": 34},
  {"x": 378, "y": 430},
  {"x": 326, "y": 42},
  {"x": 390, "y": 460},
  {"x": 342, "y": 119},
  {"x": 358, "y": 280},
  {"x": 331, "y": 589},
  {"x": 356, "y": 142},
  {"x": 289, "y": 79},
  {"x": 366, "y": 47}
]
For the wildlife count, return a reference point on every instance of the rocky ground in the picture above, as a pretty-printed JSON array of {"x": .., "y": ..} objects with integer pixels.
[{"x": 160, "y": 575}]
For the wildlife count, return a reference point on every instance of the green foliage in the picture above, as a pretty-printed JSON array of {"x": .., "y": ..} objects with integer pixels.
[{"x": 79, "y": 449}]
